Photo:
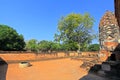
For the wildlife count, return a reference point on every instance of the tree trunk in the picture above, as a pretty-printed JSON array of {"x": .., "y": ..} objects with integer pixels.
[{"x": 78, "y": 48}]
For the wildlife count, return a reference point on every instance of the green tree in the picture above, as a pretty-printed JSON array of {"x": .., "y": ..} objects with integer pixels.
[
  {"x": 69, "y": 46},
  {"x": 55, "y": 46},
  {"x": 94, "y": 47},
  {"x": 32, "y": 45},
  {"x": 44, "y": 45},
  {"x": 10, "y": 39},
  {"x": 76, "y": 28}
]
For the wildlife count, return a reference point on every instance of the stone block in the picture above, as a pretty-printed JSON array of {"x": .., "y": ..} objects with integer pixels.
[
  {"x": 106, "y": 66},
  {"x": 101, "y": 72}
]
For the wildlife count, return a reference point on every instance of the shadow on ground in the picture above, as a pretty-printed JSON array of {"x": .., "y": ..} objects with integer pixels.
[
  {"x": 93, "y": 74},
  {"x": 3, "y": 69},
  {"x": 96, "y": 72},
  {"x": 108, "y": 70}
]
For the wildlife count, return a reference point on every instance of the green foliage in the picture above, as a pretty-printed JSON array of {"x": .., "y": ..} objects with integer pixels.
[
  {"x": 94, "y": 47},
  {"x": 31, "y": 45},
  {"x": 48, "y": 46},
  {"x": 10, "y": 39},
  {"x": 44, "y": 45},
  {"x": 76, "y": 28},
  {"x": 69, "y": 46},
  {"x": 55, "y": 46}
]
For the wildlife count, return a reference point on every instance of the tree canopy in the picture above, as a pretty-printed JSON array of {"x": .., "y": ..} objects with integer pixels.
[
  {"x": 10, "y": 39},
  {"x": 75, "y": 28}
]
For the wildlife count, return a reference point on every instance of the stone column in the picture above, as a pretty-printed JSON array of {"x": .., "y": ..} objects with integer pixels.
[{"x": 108, "y": 32}]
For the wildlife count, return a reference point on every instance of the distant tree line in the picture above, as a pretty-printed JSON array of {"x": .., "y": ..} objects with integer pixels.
[
  {"x": 74, "y": 34},
  {"x": 49, "y": 46}
]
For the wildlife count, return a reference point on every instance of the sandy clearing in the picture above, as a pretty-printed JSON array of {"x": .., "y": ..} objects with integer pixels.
[{"x": 62, "y": 69}]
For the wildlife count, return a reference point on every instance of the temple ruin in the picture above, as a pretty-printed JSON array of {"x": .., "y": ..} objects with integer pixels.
[
  {"x": 109, "y": 37},
  {"x": 109, "y": 33}
]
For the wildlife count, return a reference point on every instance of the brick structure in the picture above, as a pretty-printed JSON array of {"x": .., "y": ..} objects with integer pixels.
[{"x": 109, "y": 32}]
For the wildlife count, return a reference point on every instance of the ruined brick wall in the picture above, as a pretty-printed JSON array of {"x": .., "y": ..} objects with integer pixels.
[
  {"x": 108, "y": 31},
  {"x": 104, "y": 55},
  {"x": 33, "y": 56},
  {"x": 17, "y": 56}
]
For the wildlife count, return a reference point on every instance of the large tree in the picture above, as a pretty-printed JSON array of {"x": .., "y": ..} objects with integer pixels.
[
  {"x": 75, "y": 28},
  {"x": 10, "y": 39}
]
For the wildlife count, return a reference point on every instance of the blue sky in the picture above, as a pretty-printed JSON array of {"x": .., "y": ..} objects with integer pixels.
[{"x": 37, "y": 19}]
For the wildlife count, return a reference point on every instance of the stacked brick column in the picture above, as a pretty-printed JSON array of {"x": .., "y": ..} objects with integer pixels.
[{"x": 108, "y": 34}]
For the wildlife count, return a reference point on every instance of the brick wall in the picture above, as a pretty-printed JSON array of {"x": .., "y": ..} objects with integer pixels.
[
  {"x": 18, "y": 56},
  {"x": 32, "y": 56}
]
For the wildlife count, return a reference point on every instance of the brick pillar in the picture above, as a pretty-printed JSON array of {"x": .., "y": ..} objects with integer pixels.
[{"x": 104, "y": 55}]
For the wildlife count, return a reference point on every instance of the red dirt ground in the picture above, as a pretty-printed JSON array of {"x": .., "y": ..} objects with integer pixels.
[{"x": 61, "y": 69}]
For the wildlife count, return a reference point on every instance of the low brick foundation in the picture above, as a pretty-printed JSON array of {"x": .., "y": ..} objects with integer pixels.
[{"x": 32, "y": 56}]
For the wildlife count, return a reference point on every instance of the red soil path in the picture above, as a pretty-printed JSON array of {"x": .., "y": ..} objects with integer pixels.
[{"x": 62, "y": 69}]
